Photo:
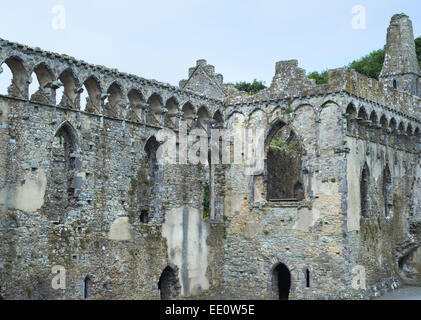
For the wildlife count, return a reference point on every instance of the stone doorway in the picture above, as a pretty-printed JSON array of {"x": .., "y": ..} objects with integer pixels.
[
  {"x": 281, "y": 282},
  {"x": 169, "y": 285}
]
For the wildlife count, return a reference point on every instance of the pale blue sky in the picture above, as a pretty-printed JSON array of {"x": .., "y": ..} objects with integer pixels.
[{"x": 161, "y": 39}]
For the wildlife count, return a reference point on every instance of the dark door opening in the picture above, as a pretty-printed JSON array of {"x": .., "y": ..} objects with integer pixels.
[
  {"x": 87, "y": 288},
  {"x": 168, "y": 284},
  {"x": 281, "y": 282}
]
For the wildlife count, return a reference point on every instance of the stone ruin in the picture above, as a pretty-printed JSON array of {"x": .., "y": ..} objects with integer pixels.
[{"x": 335, "y": 214}]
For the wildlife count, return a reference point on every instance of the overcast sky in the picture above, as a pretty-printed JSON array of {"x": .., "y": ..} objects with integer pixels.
[{"x": 161, "y": 39}]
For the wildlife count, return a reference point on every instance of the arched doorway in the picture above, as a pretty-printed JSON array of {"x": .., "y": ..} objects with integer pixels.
[
  {"x": 281, "y": 282},
  {"x": 168, "y": 284}
]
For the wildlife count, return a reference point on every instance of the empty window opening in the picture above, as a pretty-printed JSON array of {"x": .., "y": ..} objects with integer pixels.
[
  {"x": 284, "y": 166},
  {"x": 206, "y": 201},
  {"x": 136, "y": 104},
  {"x": 188, "y": 113},
  {"x": 395, "y": 84},
  {"x": 17, "y": 84},
  {"x": 384, "y": 122},
  {"x": 155, "y": 103},
  {"x": 83, "y": 98},
  {"x": 203, "y": 116},
  {"x": 6, "y": 78},
  {"x": 144, "y": 216},
  {"x": 168, "y": 284},
  {"x": 393, "y": 125},
  {"x": 41, "y": 88},
  {"x": 33, "y": 86},
  {"x": 113, "y": 103},
  {"x": 281, "y": 282},
  {"x": 219, "y": 121},
  {"x": 145, "y": 184},
  {"x": 66, "y": 94},
  {"x": 373, "y": 118},
  {"x": 387, "y": 188},
  {"x": 307, "y": 278},
  {"x": 60, "y": 184},
  {"x": 87, "y": 288},
  {"x": 59, "y": 95},
  {"x": 364, "y": 188},
  {"x": 90, "y": 98},
  {"x": 172, "y": 107}
]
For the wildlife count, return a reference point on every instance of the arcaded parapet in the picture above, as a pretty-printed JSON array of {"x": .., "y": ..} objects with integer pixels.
[
  {"x": 400, "y": 68},
  {"x": 107, "y": 92}
]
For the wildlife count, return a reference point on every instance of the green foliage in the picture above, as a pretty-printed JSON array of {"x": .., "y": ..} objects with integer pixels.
[
  {"x": 370, "y": 65},
  {"x": 251, "y": 88},
  {"x": 60, "y": 136},
  {"x": 206, "y": 202},
  {"x": 418, "y": 49},
  {"x": 320, "y": 77},
  {"x": 291, "y": 149}
]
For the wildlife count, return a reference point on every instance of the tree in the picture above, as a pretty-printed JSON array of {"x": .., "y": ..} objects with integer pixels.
[
  {"x": 418, "y": 49},
  {"x": 369, "y": 65},
  {"x": 250, "y": 88},
  {"x": 320, "y": 77}
]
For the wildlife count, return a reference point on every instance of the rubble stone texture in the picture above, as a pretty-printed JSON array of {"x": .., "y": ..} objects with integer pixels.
[{"x": 82, "y": 188}]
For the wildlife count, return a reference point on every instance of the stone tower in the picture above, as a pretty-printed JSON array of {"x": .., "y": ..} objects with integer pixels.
[{"x": 400, "y": 68}]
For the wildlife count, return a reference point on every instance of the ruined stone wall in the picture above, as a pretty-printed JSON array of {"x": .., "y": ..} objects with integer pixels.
[
  {"x": 302, "y": 235},
  {"x": 379, "y": 240},
  {"x": 100, "y": 234},
  {"x": 123, "y": 219}
]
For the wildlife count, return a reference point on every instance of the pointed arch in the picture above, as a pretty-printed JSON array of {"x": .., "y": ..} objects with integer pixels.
[
  {"x": 203, "y": 115},
  {"x": 283, "y": 154},
  {"x": 392, "y": 124},
  {"x": 114, "y": 103},
  {"x": 409, "y": 130},
  {"x": 219, "y": 120},
  {"x": 19, "y": 86},
  {"x": 172, "y": 105},
  {"x": 373, "y": 118},
  {"x": 362, "y": 114},
  {"x": 281, "y": 282},
  {"x": 155, "y": 103},
  {"x": 92, "y": 96},
  {"x": 63, "y": 182},
  {"x": 44, "y": 92},
  {"x": 87, "y": 287},
  {"x": 70, "y": 86},
  {"x": 384, "y": 122},
  {"x": 257, "y": 118},
  {"x": 136, "y": 102},
  {"x": 169, "y": 285},
  {"x": 6, "y": 79},
  {"x": 351, "y": 111},
  {"x": 188, "y": 113}
]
